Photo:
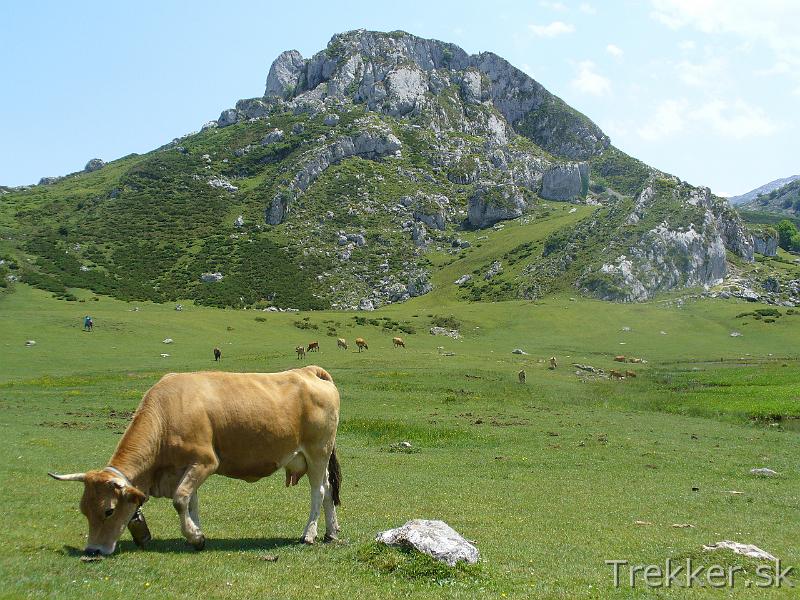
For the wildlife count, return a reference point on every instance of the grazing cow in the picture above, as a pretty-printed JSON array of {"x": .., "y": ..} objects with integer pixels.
[
  {"x": 630, "y": 374},
  {"x": 619, "y": 358},
  {"x": 217, "y": 354},
  {"x": 614, "y": 374},
  {"x": 301, "y": 351},
  {"x": 313, "y": 347},
  {"x": 341, "y": 343},
  {"x": 553, "y": 363},
  {"x": 190, "y": 426},
  {"x": 362, "y": 344},
  {"x": 521, "y": 376},
  {"x": 634, "y": 360},
  {"x": 397, "y": 342}
]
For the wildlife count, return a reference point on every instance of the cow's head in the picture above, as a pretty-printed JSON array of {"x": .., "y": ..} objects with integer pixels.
[{"x": 108, "y": 503}]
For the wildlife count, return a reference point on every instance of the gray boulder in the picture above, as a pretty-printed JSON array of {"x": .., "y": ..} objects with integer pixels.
[
  {"x": 494, "y": 270},
  {"x": 431, "y": 210},
  {"x": 434, "y": 538},
  {"x": 94, "y": 165},
  {"x": 563, "y": 182},
  {"x": 284, "y": 74},
  {"x": 228, "y": 117},
  {"x": 276, "y": 135},
  {"x": 49, "y": 180},
  {"x": 211, "y": 277},
  {"x": 331, "y": 120},
  {"x": 765, "y": 242},
  {"x": 491, "y": 203}
]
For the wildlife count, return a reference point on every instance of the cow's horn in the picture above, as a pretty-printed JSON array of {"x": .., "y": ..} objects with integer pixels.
[{"x": 70, "y": 477}]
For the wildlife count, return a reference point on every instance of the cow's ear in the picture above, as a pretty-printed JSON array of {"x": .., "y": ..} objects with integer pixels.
[
  {"x": 134, "y": 495},
  {"x": 70, "y": 477}
]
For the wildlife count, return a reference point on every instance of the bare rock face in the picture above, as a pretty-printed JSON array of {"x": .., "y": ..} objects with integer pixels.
[
  {"x": 492, "y": 203},
  {"x": 563, "y": 182},
  {"x": 765, "y": 242},
  {"x": 434, "y": 538},
  {"x": 284, "y": 73}
]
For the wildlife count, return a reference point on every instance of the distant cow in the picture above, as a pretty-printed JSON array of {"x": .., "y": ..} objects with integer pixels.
[
  {"x": 521, "y": 376},
  {"x": 553, "y": 363},
  {"x": 217, "y": 354},
  {"x": 362, "y": 344},
  {"x": 619, "y": 358},
  {"x": 614, "y": 374},
  {"x": 634, "y": 360},
  {"x": 397, "y": 342},
  {"x": 313, "y": 347},
  {"x": 190, "y": 426},
  {"x": 630, "y": 374},
  {"x": 301, "y": 351},
  {"x": 341, "y": 343}
]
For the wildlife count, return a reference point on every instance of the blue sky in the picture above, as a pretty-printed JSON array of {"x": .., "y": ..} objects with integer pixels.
[{"x": 705, "y": 89}]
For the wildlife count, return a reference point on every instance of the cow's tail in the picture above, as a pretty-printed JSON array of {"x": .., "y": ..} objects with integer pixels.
[
  {"x": 334, "y": 477},
  {"x": 321, "y": 373}
]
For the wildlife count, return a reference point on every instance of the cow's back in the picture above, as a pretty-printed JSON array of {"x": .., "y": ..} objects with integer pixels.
[{"x": 250, "y": 422}]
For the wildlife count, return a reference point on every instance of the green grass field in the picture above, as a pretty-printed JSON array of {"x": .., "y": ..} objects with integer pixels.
[{"x": 548, "y": 478}]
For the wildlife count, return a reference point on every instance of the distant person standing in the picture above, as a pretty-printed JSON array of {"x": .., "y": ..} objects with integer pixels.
[{"x": 87, "y": 323}]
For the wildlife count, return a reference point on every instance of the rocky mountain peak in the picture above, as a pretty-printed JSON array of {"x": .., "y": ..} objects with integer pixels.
[{"x": 401, "y": 75}]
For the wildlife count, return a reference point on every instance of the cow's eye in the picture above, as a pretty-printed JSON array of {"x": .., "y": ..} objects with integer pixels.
[{"x": 109, "y": 512}]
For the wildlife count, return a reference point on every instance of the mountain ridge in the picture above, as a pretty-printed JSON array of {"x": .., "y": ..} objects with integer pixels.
[{"x": 357, "y": 171}]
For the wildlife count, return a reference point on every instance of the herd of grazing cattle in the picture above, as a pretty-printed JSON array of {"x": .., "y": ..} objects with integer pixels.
[{"x": 341, "y": 343}]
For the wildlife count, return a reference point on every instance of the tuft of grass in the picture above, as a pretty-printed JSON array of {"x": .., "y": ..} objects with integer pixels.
[{"x": 411, "y": 564}]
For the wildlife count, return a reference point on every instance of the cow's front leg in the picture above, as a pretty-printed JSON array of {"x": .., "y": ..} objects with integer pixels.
[
  {"x": 185, "y": 502},
  {"x": 316, "y": 476}
]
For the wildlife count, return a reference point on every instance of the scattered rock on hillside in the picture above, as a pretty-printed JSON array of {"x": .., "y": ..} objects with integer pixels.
[
  {"x": 491, "y": 203},
  {"x": 212, "y": 277},
  {"x": 30, "y": 343},
  {"x": 50, "y": 180},
  {"x": 222, "y": 183},
  {"x": 94, "y": 164},
  {"x": 764, "y": 472},
  {"x": 434, "y": 538},
  {"x": 748, "y": 550},
  {"x": 166, "y": 341},
  {"x": 563, "y": 182},
  {"x": 463, "y": 279},
  {"x": 239, "y": 222},
  {"x": 736, "y": 334},
  {"x": 331, "y": 120},
  {"x": 453, "y": 333},
  {"x": 276, "y": 135},
  {"x": 519, "y": 351},
  {"x": 495, "y": 269}
]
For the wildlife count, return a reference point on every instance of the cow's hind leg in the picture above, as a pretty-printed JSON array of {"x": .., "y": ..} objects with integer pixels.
[
  {"x": 316, "y": 478},
  {"x": 331, "y": 522},
  {"x": 185, "y": 502}
]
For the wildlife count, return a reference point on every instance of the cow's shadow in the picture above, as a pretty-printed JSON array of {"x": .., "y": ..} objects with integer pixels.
[{"x": 180, "y": 546}]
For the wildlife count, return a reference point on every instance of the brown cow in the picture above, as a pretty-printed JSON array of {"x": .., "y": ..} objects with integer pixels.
[
  {"x": 341, "y": 343},
  {"x": 362, "y": 344},
  {"x": 313, "y": 347},
  {"x": 630, "y": 374},
  {"x": 619, "y": 358},
  {"x": 522, "y": 377},
  {"x": 397, "y": 342},
  {"x": 301, "y": 351},
  {"x": 217, "y": 354},
  {"x": 614, "y": 374},
  {"x": 190, "y": 426},
  {"x": 634, "y": 360}
]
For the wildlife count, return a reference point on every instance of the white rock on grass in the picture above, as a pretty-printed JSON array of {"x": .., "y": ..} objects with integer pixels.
[
  {"x": 166, "y": 341},
  {"x": 519, "y": 351},
  {"x": 30, "y": 343},
  {"x": 743, "y": 549},
  {"x": 434, "y": 538},
  {"x": 764, "y": 472},
  {"x": 736, "y": 334}
]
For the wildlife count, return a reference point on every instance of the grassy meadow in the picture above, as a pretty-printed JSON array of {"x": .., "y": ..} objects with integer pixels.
[{"x": 550, "y": 478}]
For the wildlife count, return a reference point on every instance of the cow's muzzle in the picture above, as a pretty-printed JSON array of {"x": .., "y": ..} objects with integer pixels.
[{"x": 91, "y": 552}]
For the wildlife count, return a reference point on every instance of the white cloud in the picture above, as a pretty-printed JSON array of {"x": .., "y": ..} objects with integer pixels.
[
  {"x": 587, "y": 8},
  {"x": 686, "y": 45},
  {"x": 729, "y": 119},
  {"x": 559, "y": 6},
  {"x": 614, "y": 51},
  {"x": 669, "y": 119},
  {"x": 709, "y": 74},
  {"x": 588, "y": 81},
  {"x": 552, "y": 30},
  {"x": 769, "y": 22},
  {"x": 737, "y": 119}
]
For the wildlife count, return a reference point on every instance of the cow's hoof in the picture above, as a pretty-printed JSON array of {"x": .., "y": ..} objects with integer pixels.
[
  {"x": 308, "y": 540},
  {"x": 331, "y": 538},
  {"x": 199, "y": 543}
]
